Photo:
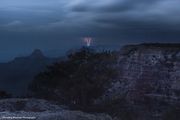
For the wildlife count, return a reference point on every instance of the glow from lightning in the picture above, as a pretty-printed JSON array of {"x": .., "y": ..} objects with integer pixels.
[{"x": 88, "y": 41}]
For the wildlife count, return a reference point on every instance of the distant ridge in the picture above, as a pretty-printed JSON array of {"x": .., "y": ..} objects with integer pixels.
[
  {"x": 15, "y": 75},
  {"x": 37, "y": 53}
]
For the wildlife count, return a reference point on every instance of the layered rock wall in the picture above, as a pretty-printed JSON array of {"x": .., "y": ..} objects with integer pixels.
[{"x": 147, "y": 70}]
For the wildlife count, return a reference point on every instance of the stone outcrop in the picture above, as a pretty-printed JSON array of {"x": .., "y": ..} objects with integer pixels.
[
  {"x": 148, "y": 80},
  {"x": 147, "y": 70},
  {"x": 151, "y": 69}
]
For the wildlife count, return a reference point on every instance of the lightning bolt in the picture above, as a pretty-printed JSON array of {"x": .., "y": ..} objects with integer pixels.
[{"x": 88, "y": 41}]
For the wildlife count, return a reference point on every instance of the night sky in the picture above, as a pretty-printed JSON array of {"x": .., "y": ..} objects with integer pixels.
[{"x": 59, "y": 25}]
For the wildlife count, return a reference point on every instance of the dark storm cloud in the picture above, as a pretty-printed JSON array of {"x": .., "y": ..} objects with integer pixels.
[
  {"x": 115, "y": 6},
  {"x": 55, "y": 23},
  {"x": 148, "y": 21},
  {"x": 78, "y": 15}
]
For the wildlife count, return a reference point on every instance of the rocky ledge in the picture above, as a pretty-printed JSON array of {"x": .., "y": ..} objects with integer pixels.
[{"x": 28, "y": 109}]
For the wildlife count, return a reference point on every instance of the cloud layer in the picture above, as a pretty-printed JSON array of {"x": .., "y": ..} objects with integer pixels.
[
  {"x": 125, "y": 15},
  {"x": 108, "y": 21}
]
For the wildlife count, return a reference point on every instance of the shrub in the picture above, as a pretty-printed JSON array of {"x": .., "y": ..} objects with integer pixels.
[{"x": 79, "y": 80}]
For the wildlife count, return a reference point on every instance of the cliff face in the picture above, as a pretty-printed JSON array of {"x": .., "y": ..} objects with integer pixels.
[
  {"x": 151, "y": 70},
  {"x": 148, "y": 82}
]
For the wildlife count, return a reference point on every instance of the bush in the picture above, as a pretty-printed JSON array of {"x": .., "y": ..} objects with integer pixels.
[{"x": 79, "y": 80}]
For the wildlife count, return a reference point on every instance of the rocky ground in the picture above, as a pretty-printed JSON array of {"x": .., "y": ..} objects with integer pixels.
[{"x": 34, "y": 109}]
